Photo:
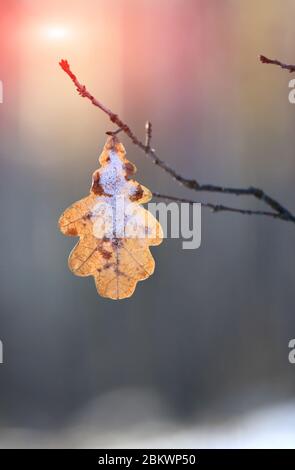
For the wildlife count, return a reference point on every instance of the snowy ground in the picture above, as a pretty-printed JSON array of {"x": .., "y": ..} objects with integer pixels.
[{"x": 269, "y": 427}]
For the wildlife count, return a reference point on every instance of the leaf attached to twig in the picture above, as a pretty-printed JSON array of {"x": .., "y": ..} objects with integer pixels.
[{"x": 115, "y": 230}]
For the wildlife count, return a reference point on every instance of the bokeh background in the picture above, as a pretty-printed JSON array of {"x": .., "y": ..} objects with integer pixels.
[{"x": 198, "y": 357}]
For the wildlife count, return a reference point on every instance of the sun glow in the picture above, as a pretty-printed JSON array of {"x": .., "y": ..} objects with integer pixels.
[{"x": 55, "y": 32}]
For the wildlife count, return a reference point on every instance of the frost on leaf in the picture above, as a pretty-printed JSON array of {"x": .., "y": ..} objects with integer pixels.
[{"x": 115, "y": 230}]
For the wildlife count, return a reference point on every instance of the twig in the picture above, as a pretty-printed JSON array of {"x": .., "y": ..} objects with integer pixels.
[
  {"x": 280, "y": 211},
  {"x": 251, "y": 191},
  {"x": 221, "y": 208},
  {"x": 114, "y": 132},
  {"x": 266, "y": 60}
]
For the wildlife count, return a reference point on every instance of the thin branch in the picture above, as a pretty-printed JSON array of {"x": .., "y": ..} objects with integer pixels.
[
  {"x": 221, "y": 207},
  {"x": 114, "y": 132},
  {"x": 266, "y": 60},
  {"x": 251, "y": 191},
  {"x": 193, "y": 184}
]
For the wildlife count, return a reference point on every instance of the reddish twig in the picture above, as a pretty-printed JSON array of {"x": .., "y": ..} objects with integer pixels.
[
  {"x": 280, "y": 211},
  {"x": 266, "y": 60}
]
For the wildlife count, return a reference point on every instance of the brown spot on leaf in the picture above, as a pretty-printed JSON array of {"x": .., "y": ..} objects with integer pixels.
[
  {"x": 137, "y": 195},
  {"x": 108, "y": 265},
  {"x": 129, "y": 169},
  {"x": 104, "y": 253},
  {"x": 96, "y": 187},
  {"x": 72, "y": 231},
  {"x": 117, "y": 242}
]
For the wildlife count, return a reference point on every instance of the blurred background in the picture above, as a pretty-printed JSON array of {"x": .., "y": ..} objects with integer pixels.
[{"x": 198, "y": 356}]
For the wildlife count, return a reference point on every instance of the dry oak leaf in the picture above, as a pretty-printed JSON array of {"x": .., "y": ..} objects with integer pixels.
[{"x": 115, "y": 230}]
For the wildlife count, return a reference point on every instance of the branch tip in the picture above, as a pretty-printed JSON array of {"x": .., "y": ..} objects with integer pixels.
[{"x": 266, "y": 60}]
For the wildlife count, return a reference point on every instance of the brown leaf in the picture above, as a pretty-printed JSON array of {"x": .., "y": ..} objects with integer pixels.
[{"x": 115, "y": 230}]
